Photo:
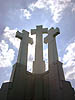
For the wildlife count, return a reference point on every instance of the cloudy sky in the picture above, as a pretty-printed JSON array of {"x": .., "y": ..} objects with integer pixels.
[{"x": 26, "y": 14}]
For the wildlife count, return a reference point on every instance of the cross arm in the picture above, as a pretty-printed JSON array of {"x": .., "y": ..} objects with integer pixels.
[
  {"x": 25, "y": 32},
  {"x": 46, "y": 40},
  {"x": 18, "y": 35},
  {"x": 54, "y": 32},
  {"x": 45, "y": 30},
  {"x": 57, "y": 31},
  {"x": 33, "y": 31},
  {"x": 30, "y": 40}
]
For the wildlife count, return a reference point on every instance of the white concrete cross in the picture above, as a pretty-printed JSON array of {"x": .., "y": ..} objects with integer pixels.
[
  {"x": 39, "y": 64},
  {"x": 52, "y": 48},
  {"x": 23, "y": 50}
]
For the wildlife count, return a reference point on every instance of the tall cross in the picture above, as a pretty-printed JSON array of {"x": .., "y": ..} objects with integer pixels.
[
  {"x": 39, "y": 64},
  {"x": 52, "y": 48},
  {"x": 23, "y": 50}
]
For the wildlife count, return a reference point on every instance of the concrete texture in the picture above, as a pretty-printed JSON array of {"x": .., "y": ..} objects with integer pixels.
[
  {"x": 30, "y": 86},
  {"x": 52, "y": 48},
  {"x": 39, "y": 49},
  {"x": 40, "y": 85},
  {"x": 23, "y": 50}
]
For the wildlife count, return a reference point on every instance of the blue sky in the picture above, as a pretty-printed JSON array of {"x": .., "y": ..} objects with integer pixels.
[{"x": 26, "y": 14}]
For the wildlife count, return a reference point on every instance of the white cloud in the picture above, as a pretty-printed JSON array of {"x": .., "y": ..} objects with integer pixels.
[
  {"x": 55, "y": 6},
  {"x": 6, "y": 54},
  {"x": 45, "y": 52},
  {"x": 70, "y": 74},
  {"x": 39, "y": 4},
  {"x": 26, "y": 13},
  {"x": 45, "y": 56},
  {"x": 73, "y": 8},
  {"x": 70, "y": 55},
  {"x": 10, "y": 35},
  {"x": 69, "y": 61}
]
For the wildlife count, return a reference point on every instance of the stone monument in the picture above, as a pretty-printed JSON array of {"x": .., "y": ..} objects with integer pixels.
[
  {"x": 39, "y": 49},
  {"x": 23, "y": 50},
  {"x": 40, "y": 84},
  {"x": 52, "y": 49}
]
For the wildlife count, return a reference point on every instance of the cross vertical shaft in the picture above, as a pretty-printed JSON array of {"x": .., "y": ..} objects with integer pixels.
[
  {"x": 23, "y": 50},
  {"x": 39, "y": 64},
  {"x": 52, "y": 48},
  {"x": 39, "y": 48}
]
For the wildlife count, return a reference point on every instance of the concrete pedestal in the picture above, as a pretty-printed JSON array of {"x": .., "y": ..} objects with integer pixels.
[
  {"x": 38, "y": 69},
  {"x": 49, "y": 85}
]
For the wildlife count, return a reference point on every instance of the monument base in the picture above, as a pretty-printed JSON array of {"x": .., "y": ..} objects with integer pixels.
[
  {"x": 38, "y": 67},
  {"x": 31, "y": 86}
]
